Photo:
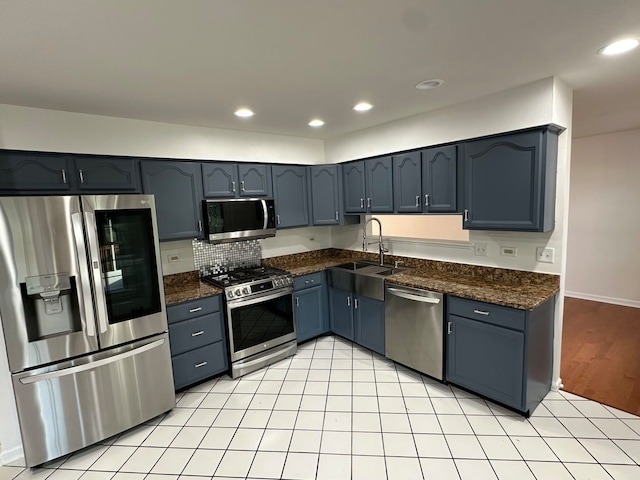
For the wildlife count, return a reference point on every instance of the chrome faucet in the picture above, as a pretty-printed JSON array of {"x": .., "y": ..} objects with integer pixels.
[{"x": 381, "y": 246}]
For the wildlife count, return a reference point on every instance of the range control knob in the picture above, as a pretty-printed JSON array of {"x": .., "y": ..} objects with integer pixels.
[
  {"x": 230, "y": 294},
  {"x": 237, "y": 292},
  {"x": 245, "y": 290},
  {"x": 289, "y": 280},
  {"x": 276, "y": 282}
]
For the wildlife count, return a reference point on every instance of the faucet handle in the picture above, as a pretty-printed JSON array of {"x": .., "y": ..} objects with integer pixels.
[{"x": 397, "y": 263}]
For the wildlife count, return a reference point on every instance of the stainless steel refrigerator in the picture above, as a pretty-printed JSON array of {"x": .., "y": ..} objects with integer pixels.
[{"x": 84, "y": 320}]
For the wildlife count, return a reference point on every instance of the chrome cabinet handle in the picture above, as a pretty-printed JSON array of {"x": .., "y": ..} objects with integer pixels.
[
  {"x": 355, "y": 303},
  {"x": 233, "y": 186},
  {"x": 197, "y": 334},
  {"x": 348, "y": 301},
  {"x": 309, "y": 281},
  {"x": 417, "y": 200},
  {"x": 481, "y": 312},
  {"x": 336, "y": 215},
  {"x": 368, "y": 202},
  {"x": 193, "y": 310},
  {"x": 242, "y": 186},
  {"x": 362, "y": 203},
  {"x": 448, "y": 328},
  {"x": 297, "y": 303},
  {"x": 278, "y": 218},
  {"x": 201, "y": 364},
  {"x": 64, "y": 175},
  {"x": 466, "y": 215},
  {"x": 426, "y": 199},
  {"x": 199, "y": 225},
  {"x": 81, "y": 174}
]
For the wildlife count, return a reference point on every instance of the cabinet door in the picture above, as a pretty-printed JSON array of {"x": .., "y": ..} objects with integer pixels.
[
  {"x": 407, "y": 186},
  {"x": 33, "y": 172},
  {"x": 177, "y": 187},
  {"x": 107, "y": 174},
  {"x": 309, "y": 313},
  {"x": 353, "y": 176},
  {"x": 380, "y": 185},
  {"x": 324, "y": 194},
  {"x": 255, "y": 180},
  {"x": 341, "y": 312},
  {"x": 369, "y": 317},
  {"x": 219, "y": 180},
  {"x": 439, "y": 179},
  {"x": 486, "y": 359},
  {"x": 290, "y": 191},
  {"x": 503, "y": 183}
]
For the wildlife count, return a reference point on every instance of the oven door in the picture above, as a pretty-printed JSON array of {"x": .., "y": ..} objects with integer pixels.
[{"x": 260, "y": 323}]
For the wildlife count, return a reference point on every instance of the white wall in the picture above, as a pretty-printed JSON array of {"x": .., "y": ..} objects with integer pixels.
[
  {"x": 603, "y": 263},
  {"x": 538, "y": 103}
]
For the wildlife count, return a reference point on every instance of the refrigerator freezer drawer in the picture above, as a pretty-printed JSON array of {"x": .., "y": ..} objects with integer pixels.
[{"x": 68, "y": 406}]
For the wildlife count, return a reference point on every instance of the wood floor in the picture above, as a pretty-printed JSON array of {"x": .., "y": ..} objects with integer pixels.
[{"x": 601, "y": 353}]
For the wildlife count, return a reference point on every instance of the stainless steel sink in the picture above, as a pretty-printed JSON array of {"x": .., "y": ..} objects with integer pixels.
[{"x": 366, "y": 279}]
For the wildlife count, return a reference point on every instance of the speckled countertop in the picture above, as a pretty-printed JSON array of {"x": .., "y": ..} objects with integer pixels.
[
  {"x": 511, "y": 288},
  {"x": 182, "y": 287}
]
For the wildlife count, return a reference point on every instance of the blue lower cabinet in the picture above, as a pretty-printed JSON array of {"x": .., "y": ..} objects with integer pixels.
[
  {"x": 311, "y": 311},
  {"x": 369, "y": 323},
  {"x": 199, "y": 364},
  {"x": 341, "y": 313}
]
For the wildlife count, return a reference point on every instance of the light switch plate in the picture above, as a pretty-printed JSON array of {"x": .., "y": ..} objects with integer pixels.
[
  {"x": 508, "y": 251},
  {"x": 173, "y": 258}
]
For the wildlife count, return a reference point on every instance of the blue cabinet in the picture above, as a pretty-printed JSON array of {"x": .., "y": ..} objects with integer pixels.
[
  {"x": 310, "y": 298},
  {"x": 354, "y": 184},
  {"x": 106, "y": 174},
  {"x": 341, "y": 312},
  {"x": 177, "y": 187},
  {"x": 230, "y": 180},
  {"x": 326, "y": 196},
  {"x": 369, "y": 323},
  {"x": 440, "y": 180},
  {"x": 198, "y": 340},
  {"x": 407, "y": 183},
  {"x": 510, "y": 182},
  {"x": 368, "y": 186},
  {"x": 502, "y": 353},
  {"x": 291, "y": 195}
]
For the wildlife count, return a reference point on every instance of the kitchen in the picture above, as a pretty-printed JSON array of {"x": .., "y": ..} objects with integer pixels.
[{"x": 543, "y": 102}]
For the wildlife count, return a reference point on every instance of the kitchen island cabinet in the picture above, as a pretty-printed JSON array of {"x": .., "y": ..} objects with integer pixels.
[{"x": 502, "y": 353}]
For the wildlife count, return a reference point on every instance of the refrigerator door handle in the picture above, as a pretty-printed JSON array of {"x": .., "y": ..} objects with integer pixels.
[
  {"x": 84, "y": 296},
  {"x": 91, "y": 365},
  {"x": 98, "y": 285}
]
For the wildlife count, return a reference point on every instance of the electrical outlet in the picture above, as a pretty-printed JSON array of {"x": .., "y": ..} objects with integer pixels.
[
  {"x": 174, "y": 257},
  {"x": 480, "y": 249},
  {"x": 545, "y": 254},
  {"x": 508, "y": 251}
]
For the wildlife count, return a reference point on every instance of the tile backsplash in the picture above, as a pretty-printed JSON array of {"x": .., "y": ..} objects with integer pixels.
[{"x": 218, "y": 258}]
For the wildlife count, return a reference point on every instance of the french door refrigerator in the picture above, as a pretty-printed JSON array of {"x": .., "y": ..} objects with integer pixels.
[{"x": 84, "y": 320}]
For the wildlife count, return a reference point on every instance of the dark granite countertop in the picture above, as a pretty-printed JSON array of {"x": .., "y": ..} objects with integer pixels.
[
  {"x": 182, "y": 287},
  {"x": 510, "y": 288}
]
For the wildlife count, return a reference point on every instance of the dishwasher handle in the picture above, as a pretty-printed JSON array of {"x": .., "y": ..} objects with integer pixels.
[{"x": 411, "y": 296}]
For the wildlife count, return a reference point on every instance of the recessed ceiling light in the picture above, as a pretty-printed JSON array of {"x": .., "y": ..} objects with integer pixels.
[
  {"x": 316, "y": 122},
  {"x": 427, "y": 84},
  {"x": 363, "y": 107},
  {"x": 244, "y": 112},
  {"x": 620, "y": 46}
]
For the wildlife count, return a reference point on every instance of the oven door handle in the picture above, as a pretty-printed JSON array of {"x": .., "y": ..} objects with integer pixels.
[{"x": 262, "y": 298}]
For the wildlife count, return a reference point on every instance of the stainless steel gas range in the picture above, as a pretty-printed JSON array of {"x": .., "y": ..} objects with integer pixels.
[{"x": 260, "y": 318}]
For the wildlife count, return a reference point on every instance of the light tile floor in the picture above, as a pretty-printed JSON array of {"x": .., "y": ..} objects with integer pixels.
[{"x": 337, "y": 411}]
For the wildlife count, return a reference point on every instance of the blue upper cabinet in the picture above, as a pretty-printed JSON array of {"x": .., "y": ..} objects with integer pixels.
[
  {"x": 291, "y": 195},
  {"x": 231, "y": 180},
  {"x": 178, "y": 197},
  {"x": 255, "y": 180},
  {"x": 325, "y": 197},
  {"x": 407, "y": 185},
  {"x": 379, "y": 185},
  {"x": 440, "y": 179},
  {"x": 25, "y": 172},
  {"x": 510, "y": 182},
  {"x": 354, "y": 184},
  {"x": 107, "y": 174},
  {"x": 219, "y": 179}
]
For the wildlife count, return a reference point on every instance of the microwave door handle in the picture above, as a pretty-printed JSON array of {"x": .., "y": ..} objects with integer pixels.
[
  {"x": 265, "y": 212},
  {"x": 98, "y": 285},
  {"x": 84, "y": 294}
]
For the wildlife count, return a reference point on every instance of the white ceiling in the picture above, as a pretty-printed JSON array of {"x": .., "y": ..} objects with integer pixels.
[{"x": 194, "y": 62}]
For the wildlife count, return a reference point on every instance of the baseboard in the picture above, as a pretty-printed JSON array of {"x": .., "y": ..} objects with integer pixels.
[
  {"x": 556, "y": 385},
  {"x": 12, "y": 455},
  {"x": 601, "y": 298}
]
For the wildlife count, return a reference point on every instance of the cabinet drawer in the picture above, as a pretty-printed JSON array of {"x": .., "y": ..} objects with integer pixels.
[
  {"x": 308, "y": 281},
  {"x": 193, "y": 308},
  {"x": 488, "y": 312},
  {"x": 198, "y": 364},
  {"x": 195, "y": 333}
]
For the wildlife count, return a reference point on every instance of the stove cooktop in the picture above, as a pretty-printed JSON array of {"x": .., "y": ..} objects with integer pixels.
[{"x": 245, "y": 275}]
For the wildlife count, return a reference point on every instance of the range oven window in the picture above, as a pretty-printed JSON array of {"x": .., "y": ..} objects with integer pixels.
[{"x": 261, "y": 322}]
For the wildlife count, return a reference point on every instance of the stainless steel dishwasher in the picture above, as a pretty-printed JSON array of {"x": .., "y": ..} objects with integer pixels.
[{"x": 414, "y": 329}]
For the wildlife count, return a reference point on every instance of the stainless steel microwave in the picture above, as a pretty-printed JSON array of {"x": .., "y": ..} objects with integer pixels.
[{"x": 233, "y": 219}]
